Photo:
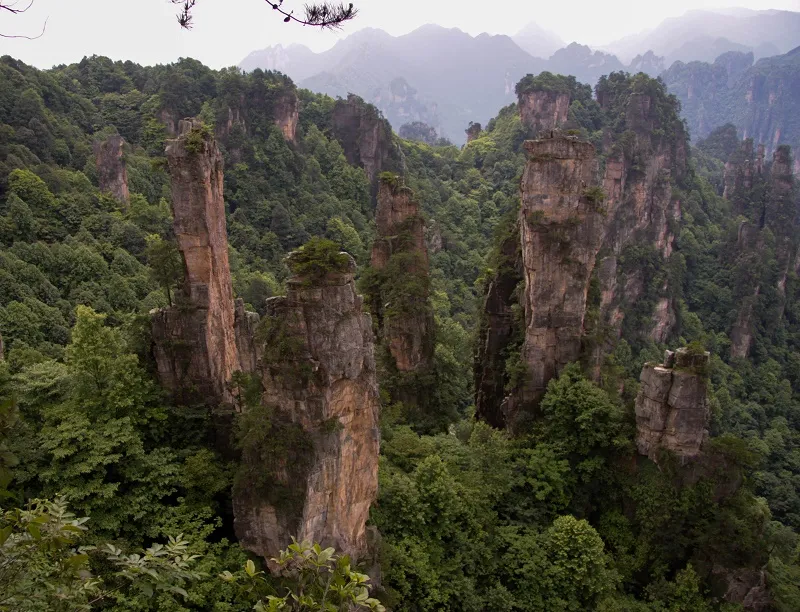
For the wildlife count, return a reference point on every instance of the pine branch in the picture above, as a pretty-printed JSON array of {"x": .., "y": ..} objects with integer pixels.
[{"x": 325, "y": 15}]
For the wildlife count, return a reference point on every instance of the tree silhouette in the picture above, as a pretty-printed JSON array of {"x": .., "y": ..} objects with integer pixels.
[
  {"x": 15, "y": 8},
  {"x": 325, "y": 15}
]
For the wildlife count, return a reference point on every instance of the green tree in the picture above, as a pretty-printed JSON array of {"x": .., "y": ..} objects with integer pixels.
[
  {"x": 578, "y": 572},
  {"x": 43, "y": 566},
  {"x": 166, "y": 263},
  {"x": 314, "y": 579}
]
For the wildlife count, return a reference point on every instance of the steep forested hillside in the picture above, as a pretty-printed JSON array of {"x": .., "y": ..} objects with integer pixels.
[
  {"x": 559, "y": 510},
  {"x": 760, "y": 99}
]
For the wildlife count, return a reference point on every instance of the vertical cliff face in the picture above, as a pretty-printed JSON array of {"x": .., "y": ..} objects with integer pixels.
[
  {"x": 741, "y": 169},
  {"x": 592, "y": 240},
  {"x": 497, "y": 334},
  {"x": 309, "y": 446},
  {"x": 400, "y": 251},
  {"x": 543, "y": 110},
  {"x": 112, "y": 173},
  {"x": 287, "y": 114},
  {"x": 642, "y": 164},
  {"x": 195, "y": 341},
  {"x": 320, "y": 397},
  {"x": 365, "y": 136},
  {"x": 561, "y": 230},
  {"x": 764, "y": 193},
  {"x": 672, "y": 410},
  {"x": 761, "y": 98}
]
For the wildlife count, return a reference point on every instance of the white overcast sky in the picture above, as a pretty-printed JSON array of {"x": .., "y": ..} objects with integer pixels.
[{"x": 225, "y": 31}]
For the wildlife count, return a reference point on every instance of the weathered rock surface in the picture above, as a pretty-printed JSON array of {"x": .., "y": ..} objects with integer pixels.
[
  {"x": 543, "y": 110},
  {"x": 672, "y": 410},
  {"x": 112, "y": 174},
  {"x": 641, "y": 209},
  {"x": 407, "y": 331},
  {"x": 287, "y": 115},
  {"x": 195, "y": 341},
  {"x": 495, "y": 336},
  {"x": 365, "y": 136},
  {"x": 746, "y": 587},
  {"x": 764, "y": 193},
  {"x": 473, "y": 131},
  {"x": 313, "y": 354},
  {"x": 561, "y": 231},
  {"x": 579, "y": 223},
  {"x": 321, "y": 381}
]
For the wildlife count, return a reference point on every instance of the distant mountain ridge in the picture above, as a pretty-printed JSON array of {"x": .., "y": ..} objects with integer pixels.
[
  {"x": 761, "y": 99},
  {"x": 443, "y": 77},
  {"x": 446, "y": 78},
  {"x": 768, "y": 32}
]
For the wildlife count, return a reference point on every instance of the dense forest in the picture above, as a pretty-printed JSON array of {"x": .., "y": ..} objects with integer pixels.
[{"x": 120, "y": 494}]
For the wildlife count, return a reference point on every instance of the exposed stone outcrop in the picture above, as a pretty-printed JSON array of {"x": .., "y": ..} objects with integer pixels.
[
  {"x": 400, "y": 251},
  {"x": 764, "y": 193},
  {"x": 746, "y": 587},
  {"x": 742, "y": 168},
  {"x": 195, "y": 341},
  {"x": 314, "y": 473},
  {"x": 672, "y": 411},
  {"x": 365, "y": 136},
  {"x": 319, "y": 384},
  {"x": 496, "y": 335},
  {"x": 543, "y": 110},
  {"x": 287, "y": 114},
  {"x": 637, "y": 186},
  {"x": 586, "y": 232},
  {"x": 473, "y": 131},
  {"x": 561, "y": 231},
  {"x": 112, "y": 174}
]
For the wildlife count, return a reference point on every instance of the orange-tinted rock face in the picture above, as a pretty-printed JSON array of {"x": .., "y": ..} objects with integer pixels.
[
  {"x": 408, "y": 333},
  {"x": 111, "y": 171},
  {"x": 561, "y": 231},
  {"x": 543, "y": 110},
  {"x": 572, "y": 213},
  {"x": 195, "y": 342},
  {"x": 672, "y": 410},
  {"x": 325, "y": 386},
  {"x": 287, "y": 114}
]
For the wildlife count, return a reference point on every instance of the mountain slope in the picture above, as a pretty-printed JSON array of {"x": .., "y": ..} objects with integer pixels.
[
  {"x": 762, "y": 100},
  {"x": 537, "y": 41},
  {"x": 764, "y": 32}
]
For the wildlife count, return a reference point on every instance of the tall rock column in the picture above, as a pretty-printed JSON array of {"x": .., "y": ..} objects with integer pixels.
[
  {"x": 561, "y": 230},
  {"x": 112, "y": 174},
  {"x": 672, "y": 410},
  {"x": 314, "y": 472},
  {"x": 287, "y": 114},
  {"x": 400, "y": 252},
  {"x": 543, "y": 110},
  {"x": 195, "y": 341},
  {"x": 365, "y": 136}
]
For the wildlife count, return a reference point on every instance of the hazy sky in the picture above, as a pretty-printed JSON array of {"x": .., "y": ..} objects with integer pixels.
[{"x": 225, "y": 31}]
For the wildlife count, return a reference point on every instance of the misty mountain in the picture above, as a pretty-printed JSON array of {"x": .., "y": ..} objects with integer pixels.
[
  {"x": 443, "y": 77},
  {"x": 447, "y": 78},
  {"x": 761, "y": 99},
  {"x": 537, "y": 41},
  {"x": 440, "y": 76},
  {"x": 689, "y": 37}
]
